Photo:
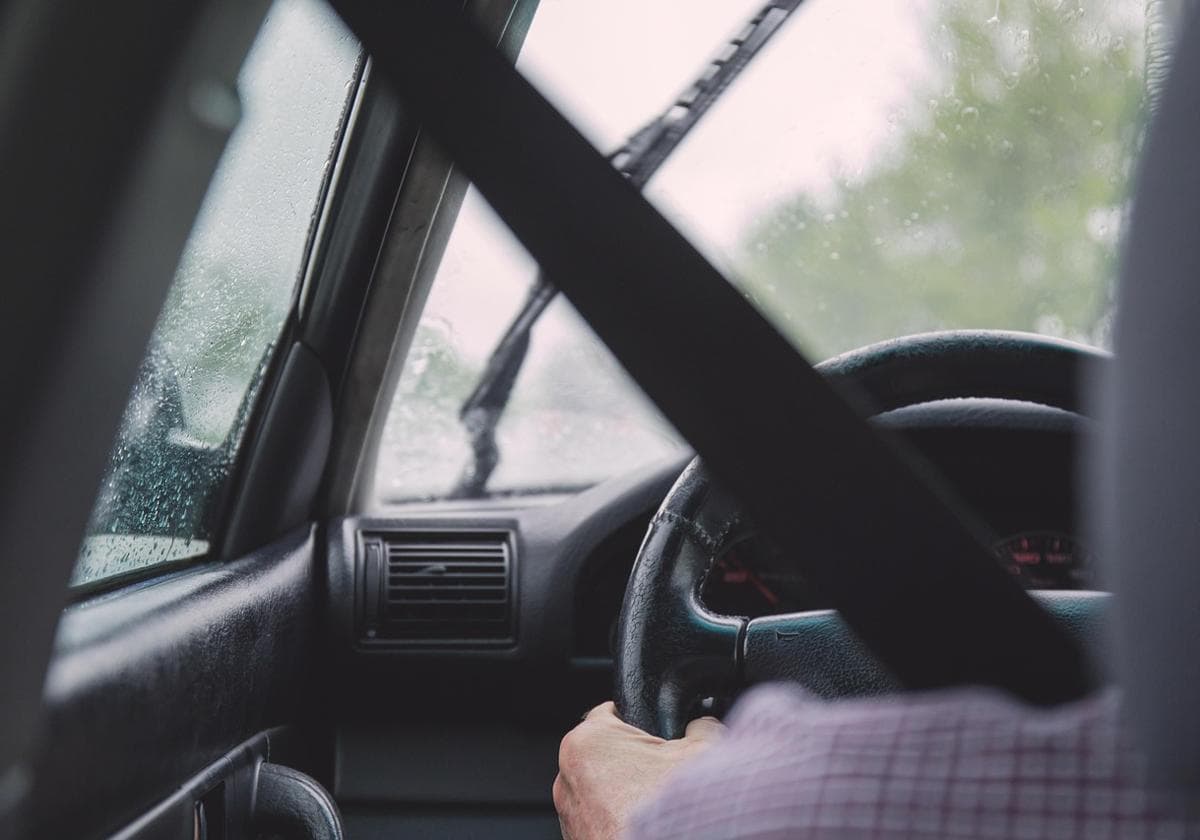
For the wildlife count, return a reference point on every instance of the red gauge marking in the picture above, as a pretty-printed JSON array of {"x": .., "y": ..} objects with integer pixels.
[
  {"x": 764, "y": 590},
  {"x": 1045, "y": 559},
  {"x": 735, "y": 571}
]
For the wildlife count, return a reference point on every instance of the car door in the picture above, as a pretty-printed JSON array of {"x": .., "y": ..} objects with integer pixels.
[
  {"x": 205, "y": 256},
  {"x": 186, "y": 655}
]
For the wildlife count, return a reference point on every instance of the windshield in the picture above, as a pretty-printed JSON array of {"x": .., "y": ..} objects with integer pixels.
[
  {"x": 917, "y": 166},
  {"x": 883, "y": 167}
]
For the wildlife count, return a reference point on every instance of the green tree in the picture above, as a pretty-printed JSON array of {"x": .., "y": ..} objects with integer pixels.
[{"x": 998, "y": 206}]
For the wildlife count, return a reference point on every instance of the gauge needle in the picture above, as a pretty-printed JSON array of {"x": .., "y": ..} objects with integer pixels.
[
  {"x": 763, "y": 589},
  {"x": 737, "y": 572}
]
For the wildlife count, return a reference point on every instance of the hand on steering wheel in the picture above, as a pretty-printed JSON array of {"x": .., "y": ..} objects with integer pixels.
[{"x": 606, "y": 768}]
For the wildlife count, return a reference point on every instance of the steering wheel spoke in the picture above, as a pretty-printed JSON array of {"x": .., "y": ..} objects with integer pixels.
[
  {"x": 818, "y": 651},
  {"x": 673, "y": 650},
  {"x": 814, "y": 649}
]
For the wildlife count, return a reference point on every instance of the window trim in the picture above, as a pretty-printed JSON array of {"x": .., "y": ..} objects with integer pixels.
[
  {"x": 401, "y": 273},
  {"x": 80, "y": 592}
]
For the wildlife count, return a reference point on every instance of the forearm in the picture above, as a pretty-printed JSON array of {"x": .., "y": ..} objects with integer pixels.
[{"x": 949, "y": 764}]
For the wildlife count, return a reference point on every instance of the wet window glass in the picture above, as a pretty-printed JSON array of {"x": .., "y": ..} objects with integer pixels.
[
  {"x": 233, "y": 289},
  {"x": 888, "y": 167}
]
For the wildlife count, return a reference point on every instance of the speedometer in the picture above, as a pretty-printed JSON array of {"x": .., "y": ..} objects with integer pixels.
[
  {"x": 1045, "y": 560},
  {"x": 750, "y": 579}
]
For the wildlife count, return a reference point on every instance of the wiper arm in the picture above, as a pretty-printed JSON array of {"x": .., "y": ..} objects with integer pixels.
[
  {"x": 480, "y": 414},
  {"x": 638, "y": 158},
  {"x": 647, "y": 149}
]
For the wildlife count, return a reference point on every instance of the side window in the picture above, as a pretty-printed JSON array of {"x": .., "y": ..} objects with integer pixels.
[{"x": 234, "y": 288}]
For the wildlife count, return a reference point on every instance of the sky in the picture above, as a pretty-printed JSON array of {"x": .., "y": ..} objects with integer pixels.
[{"x": 818, "y": 96}]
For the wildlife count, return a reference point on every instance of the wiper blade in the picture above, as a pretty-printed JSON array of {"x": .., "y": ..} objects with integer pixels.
[
  {"x": 638, "y": 158},
  {"x": 647, "y": 149},
  {"x": 481, "y": 411}
]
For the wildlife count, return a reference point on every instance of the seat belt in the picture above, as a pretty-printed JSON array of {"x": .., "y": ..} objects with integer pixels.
[{"x": 866, "y": 523}]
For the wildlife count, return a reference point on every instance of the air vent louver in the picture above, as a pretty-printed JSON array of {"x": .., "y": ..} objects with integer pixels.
[{"x": 438, "y": 588}]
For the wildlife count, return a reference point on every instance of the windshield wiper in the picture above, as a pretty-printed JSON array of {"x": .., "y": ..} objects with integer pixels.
[{"x": 638, "y": 158}]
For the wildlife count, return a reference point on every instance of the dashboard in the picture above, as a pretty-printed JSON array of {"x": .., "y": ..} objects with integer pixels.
[
  {"x": 1012, "y": 464},
  {"x": 529, "y": 592},
  {"x": 545, "y": 581}
]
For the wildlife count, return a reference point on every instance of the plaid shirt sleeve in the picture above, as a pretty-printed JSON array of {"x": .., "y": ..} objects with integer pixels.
[{"x": 957, "y": 764}]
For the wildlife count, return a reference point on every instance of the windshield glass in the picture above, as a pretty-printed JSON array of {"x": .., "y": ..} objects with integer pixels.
[
  {"x": 888, "y": 167},
  {"x": 883, "y": 167}
]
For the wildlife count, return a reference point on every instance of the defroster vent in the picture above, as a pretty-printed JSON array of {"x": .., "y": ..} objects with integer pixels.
[{"x": 437, "y": 588}]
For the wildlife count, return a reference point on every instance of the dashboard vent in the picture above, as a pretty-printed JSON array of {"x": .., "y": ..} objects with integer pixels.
[{"x": 438, "y": 588}]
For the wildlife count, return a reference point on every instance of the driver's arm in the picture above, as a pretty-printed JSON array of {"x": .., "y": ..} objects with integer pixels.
[{"x": 959, "y": 763}]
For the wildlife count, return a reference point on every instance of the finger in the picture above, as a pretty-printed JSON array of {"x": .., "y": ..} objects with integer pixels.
[{"x": 704, "y": 729}]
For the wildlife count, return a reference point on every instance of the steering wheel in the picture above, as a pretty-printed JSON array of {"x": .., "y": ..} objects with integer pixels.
[{"x": 673, "y": 650}]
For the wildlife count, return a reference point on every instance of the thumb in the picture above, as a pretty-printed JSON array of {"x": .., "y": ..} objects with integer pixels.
[{"x": 705, "y": 729}]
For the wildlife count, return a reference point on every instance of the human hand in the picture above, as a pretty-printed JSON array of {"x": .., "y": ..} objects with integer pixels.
[{"x": 606, "y": 768}]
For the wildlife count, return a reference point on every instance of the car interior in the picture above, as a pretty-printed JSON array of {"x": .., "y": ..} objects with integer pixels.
[{"x": 380, "y": 400}]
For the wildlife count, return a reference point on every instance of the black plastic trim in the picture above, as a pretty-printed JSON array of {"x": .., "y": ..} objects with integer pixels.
[
  {"x": 367, "y": 640},
  {"x": 289, "y": 803},
  {"x": 151, "y": 684},
  {"x": 553, "y": 543},
  {"x": 81, "y": 592},
  {"x": 283, "y": 468},
  {"x": 372, "y": 165},
  {"x": 232, "y": 777}
]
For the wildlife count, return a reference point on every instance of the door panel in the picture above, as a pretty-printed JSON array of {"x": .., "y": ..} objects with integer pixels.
[{"x": 150, "y": 685}]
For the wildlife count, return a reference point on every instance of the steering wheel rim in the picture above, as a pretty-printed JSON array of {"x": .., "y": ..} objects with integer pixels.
[{"x": 673, "y": 650}]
